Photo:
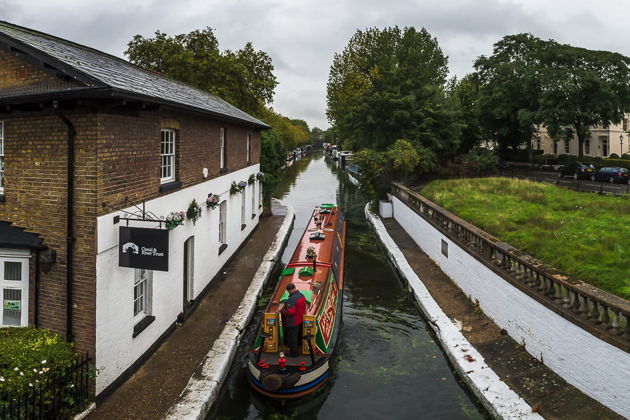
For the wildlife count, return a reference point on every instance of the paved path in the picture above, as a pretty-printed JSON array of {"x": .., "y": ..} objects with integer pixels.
[
  {"x": 151, "y": 391},
  {"x": 545, "y": 391}
]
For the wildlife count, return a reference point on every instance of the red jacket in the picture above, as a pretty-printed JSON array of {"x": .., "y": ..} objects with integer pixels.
[{"x": 294, "y": 309}]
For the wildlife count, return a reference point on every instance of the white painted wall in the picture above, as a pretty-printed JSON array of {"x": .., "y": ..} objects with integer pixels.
[
  {"x": 116, "y": 350},
  {"x": 597, "y": 368}
]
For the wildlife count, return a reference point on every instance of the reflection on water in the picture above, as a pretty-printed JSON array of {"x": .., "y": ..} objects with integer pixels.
[{"x": 387, "y": 365}]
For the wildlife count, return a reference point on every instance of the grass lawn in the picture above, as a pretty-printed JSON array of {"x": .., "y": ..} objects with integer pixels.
[{"x": 583, "y": 234}]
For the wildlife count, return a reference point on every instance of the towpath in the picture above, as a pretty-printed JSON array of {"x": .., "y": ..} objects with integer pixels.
[
  {"x": 157, "y": 384},
  {"x": 546, "y": 392}
]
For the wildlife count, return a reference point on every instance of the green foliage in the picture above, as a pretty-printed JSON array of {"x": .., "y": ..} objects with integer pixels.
[
  {"x": 244, "y": 78},
  {"x": 28, "y": 356},
  {"x": 477, "y": 162},
  {"x": 613, "y": 156},
  {"x": 464, "y": 95},
  {"x": 272, "y": 158},
  {"x": 374, "y": 176},
  {"x": 388, "y": 84},
  {"x": 403, "y": 157},
  {"x": 528, "y": 81},
  {"x": 291, "y": 132},
  {"x": 193, "y": 213},
  {"x": 584, "y": 235}
]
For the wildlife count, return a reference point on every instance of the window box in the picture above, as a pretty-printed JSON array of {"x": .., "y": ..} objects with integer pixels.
[
  {"x": 169, "y": 186},
  {"x": 142, "y": 325},
  {"x": 222, "y": 248}
]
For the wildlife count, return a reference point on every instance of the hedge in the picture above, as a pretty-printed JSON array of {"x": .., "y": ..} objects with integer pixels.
[{"x": 28, "y": 356}]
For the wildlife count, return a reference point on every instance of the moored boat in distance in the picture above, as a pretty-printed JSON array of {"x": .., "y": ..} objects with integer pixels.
[{"x": 316, "y": 270}]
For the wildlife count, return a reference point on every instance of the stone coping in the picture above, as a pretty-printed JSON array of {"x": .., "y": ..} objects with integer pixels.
[
  {"x": 601, "y": 313},
  {"x": 500, "y": 401}
]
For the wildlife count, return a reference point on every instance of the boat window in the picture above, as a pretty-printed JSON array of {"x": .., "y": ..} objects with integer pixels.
[{"x": 317, "y": 236}]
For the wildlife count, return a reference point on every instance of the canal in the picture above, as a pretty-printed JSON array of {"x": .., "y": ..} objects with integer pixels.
[{"x": 387, "y": 364}]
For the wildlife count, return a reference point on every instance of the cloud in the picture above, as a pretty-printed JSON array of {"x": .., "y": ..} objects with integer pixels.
[{"x": 302, "y": 36}]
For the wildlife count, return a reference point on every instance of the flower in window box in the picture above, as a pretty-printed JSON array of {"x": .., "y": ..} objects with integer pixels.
[
  {"x": 234, "y": 189},
  {"x": 194, "y": 211},
  {"x": 174, "y": 219},
  {"x": 251, "y": 179},
  {"x": 212, "y": 201},
  {"x": 242, "y": 185},
  {"x": 260, "y": 176}
]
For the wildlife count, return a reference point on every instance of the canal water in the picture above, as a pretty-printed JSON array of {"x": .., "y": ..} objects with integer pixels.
[{"x": 387, "y": 363}]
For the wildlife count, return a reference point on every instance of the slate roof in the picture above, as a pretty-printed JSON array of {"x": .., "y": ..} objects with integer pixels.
[
  {"x": 104, "y": 70},
  {"x": 15, "y": 237}
]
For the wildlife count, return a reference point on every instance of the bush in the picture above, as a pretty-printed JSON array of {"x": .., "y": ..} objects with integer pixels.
[
  {"x": 622, "y": 163},
  {"x": 30, "y": 355},
  {"x": 477, "y": 162},
  {"x": 613, "y": 156},
  {"x": 625, "y": 156}
]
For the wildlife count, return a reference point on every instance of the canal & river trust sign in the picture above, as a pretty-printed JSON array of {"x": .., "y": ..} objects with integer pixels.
[{"x": 143, "y": 248}]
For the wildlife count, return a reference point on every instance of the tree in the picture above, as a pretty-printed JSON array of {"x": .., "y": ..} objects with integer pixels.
[
  {"x": 528, "y": 82},
  {"x": 464, "y": 94},
  {"x": 273, "y": 155},
  {"x": 582, "y": 88},
  {"x": 244, "y": 78},
  {"x": 389, "y": 84},
  {"x": 510, "y": 90}
]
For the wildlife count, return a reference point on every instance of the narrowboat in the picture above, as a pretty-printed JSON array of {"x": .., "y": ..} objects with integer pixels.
[{"x": 316, "y": 270}]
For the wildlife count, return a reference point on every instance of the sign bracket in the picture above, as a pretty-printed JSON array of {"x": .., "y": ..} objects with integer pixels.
[{"x": 140, "y": 215}]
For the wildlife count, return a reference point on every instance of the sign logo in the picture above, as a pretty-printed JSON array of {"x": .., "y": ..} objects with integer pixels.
[
  {"x": 130, "y": 246},
  {"x": 327, "y": 316},
  {"x": 143, "y": 248}
]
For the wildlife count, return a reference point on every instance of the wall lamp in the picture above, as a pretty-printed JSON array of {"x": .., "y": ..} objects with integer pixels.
[{"x": 47, "y": 259}]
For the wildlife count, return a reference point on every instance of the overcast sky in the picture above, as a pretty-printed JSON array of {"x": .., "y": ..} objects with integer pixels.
[{"x": 302, "y": 36}]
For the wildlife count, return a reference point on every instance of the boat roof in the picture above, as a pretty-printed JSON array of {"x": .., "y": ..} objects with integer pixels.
[{"x": 299, "y": 270}]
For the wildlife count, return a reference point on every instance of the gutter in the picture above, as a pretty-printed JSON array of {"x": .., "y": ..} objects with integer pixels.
[{"x": 69, "y": 221}]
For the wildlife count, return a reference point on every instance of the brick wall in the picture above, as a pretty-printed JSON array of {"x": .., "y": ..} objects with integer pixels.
[
  {"x": 35, "y": 198},
  {"x": 17, "y": 75},
  {"x": 129, "y": 153}
]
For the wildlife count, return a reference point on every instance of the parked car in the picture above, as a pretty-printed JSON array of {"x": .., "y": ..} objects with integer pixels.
[
  {"x": 577, "y": 170},
  {"x": 612, "y": 174}
]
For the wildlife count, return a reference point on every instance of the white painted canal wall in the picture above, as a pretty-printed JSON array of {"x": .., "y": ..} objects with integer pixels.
[
  {"x": 595, "y": 367},
  {"x": 203, "y": 388},
  {"x": 500, "y": 401}
]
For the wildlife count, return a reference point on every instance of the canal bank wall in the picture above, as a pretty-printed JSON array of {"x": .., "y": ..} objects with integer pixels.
[
  {"x": 579, "y": 354},
  {"x": 500, "y": 401},
  {"x": 203, "y": 388}
]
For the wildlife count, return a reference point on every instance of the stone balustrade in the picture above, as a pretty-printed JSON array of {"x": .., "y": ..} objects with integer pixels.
[{"x": 603, "y": 314}]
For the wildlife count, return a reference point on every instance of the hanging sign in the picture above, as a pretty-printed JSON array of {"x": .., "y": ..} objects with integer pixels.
[{"x": 143, "y": 248}]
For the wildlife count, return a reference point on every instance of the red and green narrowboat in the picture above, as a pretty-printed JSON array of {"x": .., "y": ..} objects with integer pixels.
[{"x": 316, "y": 269}]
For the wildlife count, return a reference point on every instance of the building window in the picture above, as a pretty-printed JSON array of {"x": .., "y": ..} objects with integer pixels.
[
  {"x": 142, "y": 293},
  {"x": 222, "y": 146},
  {"x": 625, "y": 124},
  {"x": 14, "y": 286},
  {"x": 587, "y": 147},
  {"x": 603, "y": 140},
  {"x": 222, "y": 215},
  {"x": 249, "y": 148},
  {"x": 1, "y": 157},
  {"x": 538, "y": 142},
  {"x": 555, "y": 147},
  {"x": 253, "y": 200},
  {"x": 566, "y": 146},
  {"x": 243, "y": 201},
  {"x": 167, "y": 156}
]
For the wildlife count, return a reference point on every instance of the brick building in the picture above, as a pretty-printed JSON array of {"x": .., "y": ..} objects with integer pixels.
[{"x": 87, "y": 141}]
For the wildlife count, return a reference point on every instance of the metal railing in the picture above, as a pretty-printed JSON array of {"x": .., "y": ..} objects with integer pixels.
[
  {"x": 56, "y": 397},
  {"x": 601, "y": 313}
]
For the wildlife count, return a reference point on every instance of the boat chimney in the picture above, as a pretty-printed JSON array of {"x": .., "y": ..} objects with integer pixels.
[{"x": 314, "y": 264}]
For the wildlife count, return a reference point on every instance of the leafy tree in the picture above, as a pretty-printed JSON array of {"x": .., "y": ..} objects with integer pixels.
[
  {"x": 510, "y": 90},
  {"x": 528, "y": 82},
  {"x": 464, "y": 95},
  {"x": 244, "y": 78},
  {"x": 582, "y": 88},
  {"x": 389, "y": 84},
  {"x": 272, "y": 159}
]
